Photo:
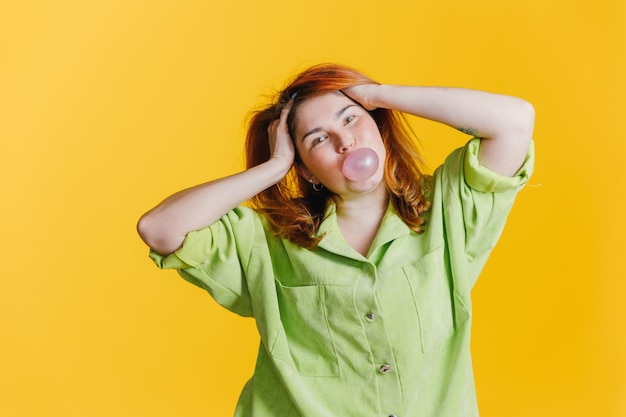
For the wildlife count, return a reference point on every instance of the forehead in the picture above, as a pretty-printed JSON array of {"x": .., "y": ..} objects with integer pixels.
[{"x": 320, "y": 108}]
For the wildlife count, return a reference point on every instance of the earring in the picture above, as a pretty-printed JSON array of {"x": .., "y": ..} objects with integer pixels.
[{"x": 316, "y": 187}]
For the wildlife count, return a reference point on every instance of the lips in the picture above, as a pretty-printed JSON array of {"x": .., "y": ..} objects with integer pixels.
[{"x": 360, "y": 164}]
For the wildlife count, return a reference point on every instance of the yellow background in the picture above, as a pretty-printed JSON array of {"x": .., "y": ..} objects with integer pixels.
[{"x": 108, "y": 106}]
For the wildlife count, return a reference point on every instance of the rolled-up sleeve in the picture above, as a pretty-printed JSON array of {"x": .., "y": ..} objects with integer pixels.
[
  {"x": 476, "y": 202},
  {"x": 215, "y": 258},
  {"x": 483, "y": 179}
]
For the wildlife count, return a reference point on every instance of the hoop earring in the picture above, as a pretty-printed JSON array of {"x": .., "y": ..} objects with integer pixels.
[{"x": 317, "y": 187}]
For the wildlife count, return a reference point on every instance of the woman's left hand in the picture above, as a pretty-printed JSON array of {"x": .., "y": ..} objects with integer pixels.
[{"x": 364, "y": 94}]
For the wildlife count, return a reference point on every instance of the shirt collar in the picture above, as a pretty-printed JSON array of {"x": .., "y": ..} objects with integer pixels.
[{"x": 391, "y": 228}]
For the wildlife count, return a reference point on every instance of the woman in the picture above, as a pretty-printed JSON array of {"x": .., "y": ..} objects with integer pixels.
[{"x": 359, "y": 285}]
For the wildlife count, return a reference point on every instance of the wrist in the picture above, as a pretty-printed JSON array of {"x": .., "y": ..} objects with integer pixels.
[
  {"x": 373, "y": 96},
  {"x": 279, "y": 166}
]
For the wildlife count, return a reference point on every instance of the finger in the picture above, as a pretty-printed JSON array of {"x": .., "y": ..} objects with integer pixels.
[
  {"x": 359, "y": 93},
  {"x": 272, "y": 125},
  {"x": 285, "y": 111}
]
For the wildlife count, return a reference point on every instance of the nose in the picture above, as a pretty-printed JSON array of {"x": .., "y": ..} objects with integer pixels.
[{"x": 344, "y": 143}]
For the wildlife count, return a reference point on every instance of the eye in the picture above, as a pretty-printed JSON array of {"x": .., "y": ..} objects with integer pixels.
[
  {"x": 348, "y": 119},
  {"x": 319, "y": 139}
]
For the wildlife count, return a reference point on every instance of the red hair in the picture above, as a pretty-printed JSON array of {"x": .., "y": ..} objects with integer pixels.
[{"x": 293, "y": 209}]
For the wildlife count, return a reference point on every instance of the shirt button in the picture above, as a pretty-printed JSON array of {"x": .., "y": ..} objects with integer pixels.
[
  {"x": 370, "y": 316},
  {"x": 384, "y": 369}
]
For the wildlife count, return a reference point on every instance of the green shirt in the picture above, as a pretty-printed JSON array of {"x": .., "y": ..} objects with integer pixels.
[{"x": 346, "y": 335}]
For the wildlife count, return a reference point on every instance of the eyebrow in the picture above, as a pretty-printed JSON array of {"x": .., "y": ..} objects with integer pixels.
[{"x": 337, "y": 116}]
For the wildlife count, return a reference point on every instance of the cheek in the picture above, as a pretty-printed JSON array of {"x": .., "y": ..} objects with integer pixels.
[
  {"x": 320, "y": 164},
  {"x": 313, "y": 161},
  {"x": 372, "y": 128},
  {"x": 303, "y": 156}
]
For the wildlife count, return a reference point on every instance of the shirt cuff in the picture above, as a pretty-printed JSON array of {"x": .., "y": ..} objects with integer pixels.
[
  {"x": 171, "y": 261},
  {"x": 483, "y": 179}
]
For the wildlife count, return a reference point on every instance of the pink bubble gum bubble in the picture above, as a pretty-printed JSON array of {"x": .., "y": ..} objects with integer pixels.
[{"x": 360, "y": 164}]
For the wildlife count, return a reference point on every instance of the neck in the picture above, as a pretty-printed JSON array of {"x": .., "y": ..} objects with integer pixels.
[
  {"x": 366, "y": 208},
  {"x": 359, "y": 220}
]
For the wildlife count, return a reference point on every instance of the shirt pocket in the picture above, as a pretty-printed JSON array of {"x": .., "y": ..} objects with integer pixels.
[
  {"x": 441, "y": 312},
  {"x": 305, "y": 342}
]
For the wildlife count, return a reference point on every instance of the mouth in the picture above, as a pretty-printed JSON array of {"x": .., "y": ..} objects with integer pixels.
[{"x": 360, "y": 164}]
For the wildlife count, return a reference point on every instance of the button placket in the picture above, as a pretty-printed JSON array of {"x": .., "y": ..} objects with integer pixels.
[{"x": 381, "y": 358}]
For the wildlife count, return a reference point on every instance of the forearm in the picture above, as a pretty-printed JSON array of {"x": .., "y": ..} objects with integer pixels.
[
  {"x": 478, "y": 113},
  {"x": 164, "y": 227},
  {"x": 505, "y": 122}
]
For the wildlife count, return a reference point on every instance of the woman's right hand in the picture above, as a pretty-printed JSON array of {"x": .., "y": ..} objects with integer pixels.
[
  {"x": 281, "y": 145},
  {"x": 164, "y": 227}
]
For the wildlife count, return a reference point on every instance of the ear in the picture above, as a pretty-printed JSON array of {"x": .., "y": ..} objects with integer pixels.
[{"x": 306, "y": 174}]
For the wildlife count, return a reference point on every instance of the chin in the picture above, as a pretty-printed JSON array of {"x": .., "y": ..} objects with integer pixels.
[{"x": 367, "y": 185}]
